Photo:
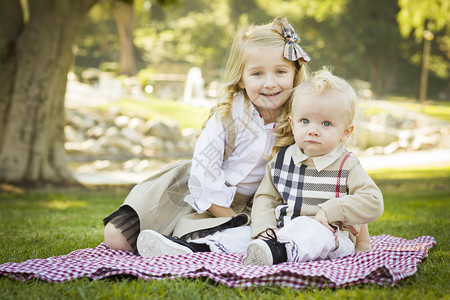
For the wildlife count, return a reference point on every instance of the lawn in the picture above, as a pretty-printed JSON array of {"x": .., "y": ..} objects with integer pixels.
[
  {"x": 39, "y": 223},
  {"x": 153, "y": 108},
  {"x": 437, "y": 109}
]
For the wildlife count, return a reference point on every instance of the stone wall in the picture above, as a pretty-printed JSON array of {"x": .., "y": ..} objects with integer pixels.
[
  {"x": 394, "y": 131},
  {"x": 112, "y": 135},
  {"x": 112, "y": 140}
]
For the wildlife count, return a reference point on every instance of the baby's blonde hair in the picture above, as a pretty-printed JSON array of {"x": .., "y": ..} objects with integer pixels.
[
  {"x": 324, "y": 81},
  {"x": 263, "y": 36}
]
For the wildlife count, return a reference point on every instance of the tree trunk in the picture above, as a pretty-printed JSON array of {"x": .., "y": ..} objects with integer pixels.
[
  {"x": 382, "y": 75},
  {"x": 123, "y": 13},
  {"x": 35, "y": 58}
]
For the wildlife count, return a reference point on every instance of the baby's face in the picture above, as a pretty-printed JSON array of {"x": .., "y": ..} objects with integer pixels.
[{"x": 320, "y": 122}]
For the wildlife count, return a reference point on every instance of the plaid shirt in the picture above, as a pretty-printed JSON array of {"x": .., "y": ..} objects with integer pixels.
[
  {"x": 302, "y": 189},
  {"x": 300, "y": 185}
]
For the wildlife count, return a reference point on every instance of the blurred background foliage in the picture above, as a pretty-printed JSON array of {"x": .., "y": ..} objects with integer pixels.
[{"x": 377, "y": 43}]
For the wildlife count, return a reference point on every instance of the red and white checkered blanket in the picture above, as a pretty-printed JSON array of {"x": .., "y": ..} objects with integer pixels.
[{"x": 393, "y": 259}]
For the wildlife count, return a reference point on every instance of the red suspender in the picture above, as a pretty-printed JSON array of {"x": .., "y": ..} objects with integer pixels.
[{"x": 338, "y": 183}]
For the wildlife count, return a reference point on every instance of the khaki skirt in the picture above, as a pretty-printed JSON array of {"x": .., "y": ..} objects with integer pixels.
[{"x": 159, "y": 203}]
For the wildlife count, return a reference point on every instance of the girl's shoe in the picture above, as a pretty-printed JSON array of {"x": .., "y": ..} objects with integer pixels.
[{"x": 151, "y": 243}]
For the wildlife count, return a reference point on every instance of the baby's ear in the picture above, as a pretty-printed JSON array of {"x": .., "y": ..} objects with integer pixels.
[
  {"x": 291, "y": 121},
  {"x": 347, "y": 132}
]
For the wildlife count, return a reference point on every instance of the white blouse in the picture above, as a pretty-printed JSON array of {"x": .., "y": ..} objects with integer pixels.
[{"x": 214, "y": 181}]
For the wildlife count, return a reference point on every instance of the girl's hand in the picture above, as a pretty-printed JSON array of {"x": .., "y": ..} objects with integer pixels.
[
  {"x": 322, "y": 217},
  {"x": 220, "y": 211}
]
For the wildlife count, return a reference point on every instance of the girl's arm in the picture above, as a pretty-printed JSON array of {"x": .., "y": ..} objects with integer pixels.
[
  {"x": 207, "y": 179},
  {"x": 363, "y": 239},
  {"x": 220, "y": 211}
]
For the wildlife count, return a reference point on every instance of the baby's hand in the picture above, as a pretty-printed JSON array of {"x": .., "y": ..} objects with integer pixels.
[
  {"x": 363, "y": 247},
  {"x": 322, "y": 217}
]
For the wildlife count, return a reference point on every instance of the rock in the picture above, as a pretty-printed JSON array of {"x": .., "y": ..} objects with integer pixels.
[
  {"x": 376, "y": 150},
  {"x": 95, "y": 132},
  {"x": 422, "y": 142},
  {"x": 167, "y": 130},
  {"x": 169, "y": 147},
  {"x": 137, "y": 124},
  {"x": 101, "y": 164},
  {"x": 136, "y": 165},
  {"x": 112, "y": 132},
  {"x": 121, "y": 143},
  {"x": 88, "y": 147},
  {"x": 137, "y": 150},
  {"x": 153, "y": 142},
  {"x": 80, "y": 122},
  {"x": 132, "y": 134},
  {"x": 73, "y": 135},
  {"x": 183, "y": 147},
  {"x": 122, "y": 121}
]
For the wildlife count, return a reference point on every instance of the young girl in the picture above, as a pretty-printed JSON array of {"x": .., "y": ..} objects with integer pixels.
[
  {"x": 264, "y": 65},
  {"x": 315, "y": 193}
]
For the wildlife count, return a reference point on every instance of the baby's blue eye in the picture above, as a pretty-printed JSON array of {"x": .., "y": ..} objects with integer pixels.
[
  {"x": 304, "y": 121},
  {"x": 256, "y": 74},
  {"x": 326, "y": 124}
]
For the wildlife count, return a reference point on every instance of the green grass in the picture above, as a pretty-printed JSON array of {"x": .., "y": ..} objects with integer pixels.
[
  {"x": 49, "y": 222},
  {"x": 437, "y": 109},
  {"x": 153, "y": 108}
]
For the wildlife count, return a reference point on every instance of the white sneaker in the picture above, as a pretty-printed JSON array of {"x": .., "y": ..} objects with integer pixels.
[
  {"x": 258, "y": 254},
  {"x": 267, "y": 251},
  {"x": 151, "y": 243}
]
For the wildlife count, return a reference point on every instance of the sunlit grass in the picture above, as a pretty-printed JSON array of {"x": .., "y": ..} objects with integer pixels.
[
  {"x": 371, "y": 110},
  {"x": 44, "y": 223},
  {"x": 437, "y": 109},
  {"x": 411, "y": 173},
  {"x": 154, "y": 108}
]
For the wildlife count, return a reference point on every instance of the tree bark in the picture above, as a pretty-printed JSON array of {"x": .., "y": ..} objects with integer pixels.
[
  {"x": 123, "y": 13},
  {"x": 35, "y": 58},
  {"x": 383, "y": 72}
]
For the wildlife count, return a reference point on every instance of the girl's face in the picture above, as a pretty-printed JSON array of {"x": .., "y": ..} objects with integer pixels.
[
  {"x": 268, "y": 79},
  {"x": 319, "y": 122}
]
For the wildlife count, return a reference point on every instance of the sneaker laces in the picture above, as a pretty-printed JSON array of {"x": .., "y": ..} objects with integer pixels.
[{"x": 277, "y": 248}]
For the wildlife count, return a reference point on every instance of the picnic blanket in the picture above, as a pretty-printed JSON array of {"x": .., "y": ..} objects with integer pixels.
[{"x": 392, "y": 260}]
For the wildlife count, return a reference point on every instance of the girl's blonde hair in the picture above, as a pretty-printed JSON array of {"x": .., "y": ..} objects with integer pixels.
[
  {"x": 263, "y": 36},
  {"x": 323, "y": 81}
]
